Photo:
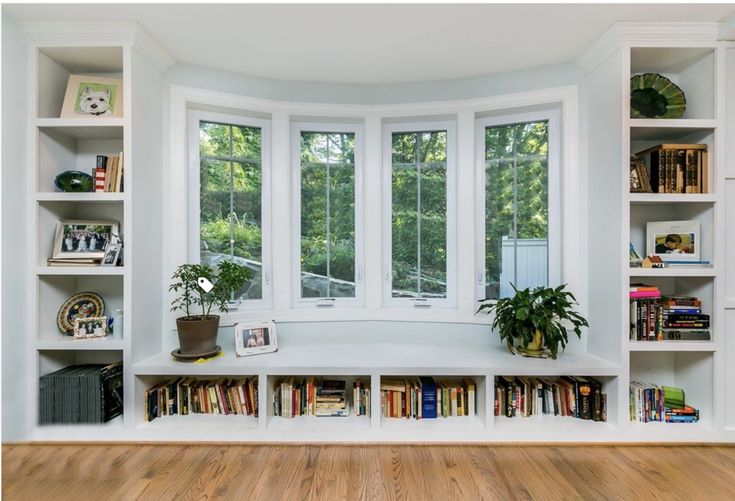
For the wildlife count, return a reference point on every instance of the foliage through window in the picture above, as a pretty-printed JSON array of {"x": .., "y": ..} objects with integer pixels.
[
  {"x": 419, "y": 214},
  {"x": 230, "y": 199},
  {"x": 516, "y": 207},
  {"x": 327, "y": 236}
]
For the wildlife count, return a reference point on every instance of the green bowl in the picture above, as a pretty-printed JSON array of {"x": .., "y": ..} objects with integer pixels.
[
  {"x": 74, "y": 181},
  {"x": 655, "y": 96}
]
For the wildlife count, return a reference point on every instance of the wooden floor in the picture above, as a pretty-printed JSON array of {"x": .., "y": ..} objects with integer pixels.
[{"x": 162, "y": 472}]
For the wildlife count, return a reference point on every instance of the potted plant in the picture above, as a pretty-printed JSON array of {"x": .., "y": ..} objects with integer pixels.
[
  {"x": 198, "y": 331},
  {"x": 535, "y": 321}
]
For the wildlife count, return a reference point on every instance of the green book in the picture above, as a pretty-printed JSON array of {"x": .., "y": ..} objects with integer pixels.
[{"x": 673, "y": 397}]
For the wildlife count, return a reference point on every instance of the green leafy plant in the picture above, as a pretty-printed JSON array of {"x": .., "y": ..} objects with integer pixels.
[
  {"x": 547, "y": 310},
  {"x": 226, "y": 278}
]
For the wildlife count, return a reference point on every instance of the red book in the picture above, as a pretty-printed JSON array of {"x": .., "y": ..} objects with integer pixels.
[{"x": 635, "y": 294}]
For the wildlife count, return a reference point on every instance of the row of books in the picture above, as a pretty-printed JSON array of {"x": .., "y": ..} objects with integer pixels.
[
  {"x": 319, "y": 397},
  {"x": 649, "y": 403},
  {"x": 425, "y": 398},
  {"x": 655, "y": 317},
  {"x": 184, "y": 396},
  {"x": 677, "y": 168},
  {"x": 90, "y": 393},
  {"x": 108, "y": 173},
  {"x": 571, "y": 396}
]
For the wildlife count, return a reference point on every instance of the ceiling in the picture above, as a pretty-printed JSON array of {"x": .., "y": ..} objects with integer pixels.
[{"x": 371, "y": 44}]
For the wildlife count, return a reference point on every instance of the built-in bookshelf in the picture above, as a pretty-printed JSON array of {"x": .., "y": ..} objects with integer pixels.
[
  {"x": 62, "y": 144},
  {"x": 694, "y": 366},
  {"x": 377, "y": 351}
]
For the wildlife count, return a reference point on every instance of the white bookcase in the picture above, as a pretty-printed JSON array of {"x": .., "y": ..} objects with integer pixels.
[
  {"x": 374, "y": 350},
  {"x": 691, "y": 56}
]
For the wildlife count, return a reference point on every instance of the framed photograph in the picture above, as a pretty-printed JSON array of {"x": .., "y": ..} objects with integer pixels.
[
  {"x": 84, "y": 239},
  {"x": 673, "y": 240},
  {"x": 88, "y": 96},
  {"x": 639, "y": 182},
  {"x": 112, "y": 254},
  {"x": 255, "y": 338},
  {"x": 90, "y": 327}
]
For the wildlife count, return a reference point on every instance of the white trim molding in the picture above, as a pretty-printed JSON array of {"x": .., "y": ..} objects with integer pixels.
[
  {"x": 648, "y": 34},
  {"x": 84, "y": 33}
]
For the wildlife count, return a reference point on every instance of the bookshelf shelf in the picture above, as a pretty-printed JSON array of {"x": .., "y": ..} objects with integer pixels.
[
  {"x": 664, "y": 198},
  {"x": 315, "y": 423},
  {"x": 69, "y": 343},
  {"x": 197, "y": 421},
  {"x": 81, "y": 270},
  {"x": 80, "y": 197},
  {"x": 448, "y": 423},
  {"x": 672, "y": 346},
  {"x": 673, "y": 272},
  {"x": 542, "y": 425},
  {"x": 84, "y": 128}
]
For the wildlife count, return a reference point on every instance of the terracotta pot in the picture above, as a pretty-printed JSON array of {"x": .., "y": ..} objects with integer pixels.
[{"x": 197, "y": 335}]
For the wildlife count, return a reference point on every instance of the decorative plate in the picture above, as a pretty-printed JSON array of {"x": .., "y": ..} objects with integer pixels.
[
  {"x": 82, "y": 305},
  {"x": 655, "y": 96},
  {"x": 74, "y": 181}
]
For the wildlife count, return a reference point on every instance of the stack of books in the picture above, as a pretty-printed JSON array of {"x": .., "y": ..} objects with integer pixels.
[
  {"x": 645, "y": 313},
  {"x": 654, "y": 317},
  {"x": 184, "y": 396},
  {"x": 570, "y": 396},
  {"x": 91, "y": 393},
  {"x": 108, "y": 173},
  {"x": 425, "y": 398},
  {"x": 649, "y": 403},
  {"x": 677, "y": 168},
  {"x": 330, "y": 399},
  {"x": 312, "y": 396}
]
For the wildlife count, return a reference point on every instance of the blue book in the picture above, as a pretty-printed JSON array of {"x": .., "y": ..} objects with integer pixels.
[{"x": 428, "y": 398}]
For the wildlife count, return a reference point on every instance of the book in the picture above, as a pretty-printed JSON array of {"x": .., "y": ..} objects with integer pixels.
[{"x": 428, "y": 398}]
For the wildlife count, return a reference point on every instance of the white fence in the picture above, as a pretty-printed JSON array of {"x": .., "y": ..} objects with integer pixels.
[{"x": 532, "y": 259}]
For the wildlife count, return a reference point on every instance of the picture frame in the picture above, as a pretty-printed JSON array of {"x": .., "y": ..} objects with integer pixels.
[
  {"x": 90, "y": 97},
  {"x": 639, "y": 181},
  {"x": 90, "y": 327},
  {"x": 255, "y": 338},
  {"x": 673, "y": 240},
  {"x": 81, "y": 238},
  {"x": 112, "y": 254}
]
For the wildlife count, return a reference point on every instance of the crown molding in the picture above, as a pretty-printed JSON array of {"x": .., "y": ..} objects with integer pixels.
[
  {"x": 727, "y": 29},
  {"x": 62, "y": 33},
  {"x": 648, "y": 33}
]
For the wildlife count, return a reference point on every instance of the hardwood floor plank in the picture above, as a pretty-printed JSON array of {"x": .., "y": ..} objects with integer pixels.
[{"x": 380, "y": 472}]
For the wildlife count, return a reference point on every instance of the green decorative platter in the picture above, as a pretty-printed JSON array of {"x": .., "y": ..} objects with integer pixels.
[
  {"x": 74, "y": 181},
  {"x": 655, "y": 96}
]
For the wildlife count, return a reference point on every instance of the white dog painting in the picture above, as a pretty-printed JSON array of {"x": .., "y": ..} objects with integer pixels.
[{"x": 88, "y": 97}]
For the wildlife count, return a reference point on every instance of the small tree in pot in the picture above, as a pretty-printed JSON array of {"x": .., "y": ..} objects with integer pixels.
[
  {"x": 534, "y": 322},
  {"x": 198, "y": 332}
]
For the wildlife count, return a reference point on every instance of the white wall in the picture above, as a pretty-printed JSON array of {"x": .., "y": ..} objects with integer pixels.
[
  {"x": 412, "y": 92},
  {"x": 15, "y": 336}
]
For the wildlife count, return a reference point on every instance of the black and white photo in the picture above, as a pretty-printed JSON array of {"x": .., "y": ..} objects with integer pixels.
[{"x": 84, "y": 239}]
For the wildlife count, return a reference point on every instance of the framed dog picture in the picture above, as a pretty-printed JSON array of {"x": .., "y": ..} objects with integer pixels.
[
  {"x": 112, "y": 254},
  {"x": 90, "y": 327},
  {"x": 255, "y": 338},
  {"x": 84, "y": 239},
  {"x": 89, "y": 97},
  {"x": 673, "y": 240}
]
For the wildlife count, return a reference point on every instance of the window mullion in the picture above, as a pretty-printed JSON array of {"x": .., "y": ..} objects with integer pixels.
[
  {"x": 329, "y": 237},
  {"x": 418, "y": 214},
  {"x": 232, "y": 200},
  {"x": 515, "y": 207}
]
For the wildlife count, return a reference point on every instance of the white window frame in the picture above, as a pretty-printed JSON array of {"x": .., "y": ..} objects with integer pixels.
[
  {"x": 553, "y": 117},
  {"x": 450, "y": 126},
  {"x": 194, "y": 117},
  {"x": 325, "y": 127}
]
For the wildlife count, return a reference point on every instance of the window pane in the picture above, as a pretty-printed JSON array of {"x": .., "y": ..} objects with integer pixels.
[
  {"x": 516, "y": 207},
  {"x": 327, "y": 214},
  {"x": 419, "y": 214},
  {"x": 230, "y": 199}
]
